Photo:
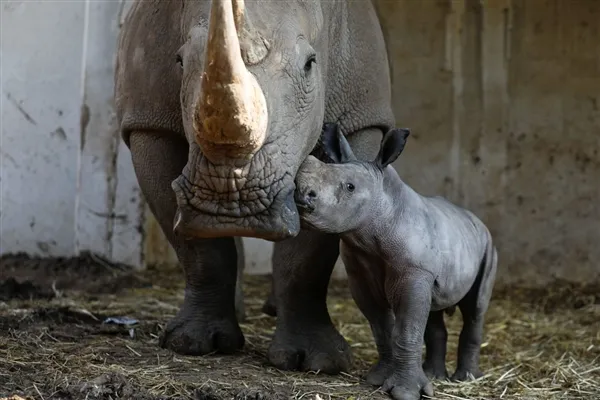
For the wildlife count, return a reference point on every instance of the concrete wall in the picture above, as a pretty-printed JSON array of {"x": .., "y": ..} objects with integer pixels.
[
  {"x": 501, "y": 95},
  {"x": 503, "y": 98},
  {"x": 67, "y": 181}
]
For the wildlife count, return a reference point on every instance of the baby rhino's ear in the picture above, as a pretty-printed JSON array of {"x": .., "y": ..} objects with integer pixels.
[
  {"x": 335, "y": 145},
  {"x": 391, "y": 146}
]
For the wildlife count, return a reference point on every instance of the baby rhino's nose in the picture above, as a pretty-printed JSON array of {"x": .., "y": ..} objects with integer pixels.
[{"x": 305, "y": 198}]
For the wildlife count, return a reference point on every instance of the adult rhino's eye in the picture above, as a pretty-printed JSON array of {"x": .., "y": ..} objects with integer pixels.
[
  {"x": 350, "y": 187},
  {"x": 179, "y": 60},
  {"x": 309, "y": 63}
]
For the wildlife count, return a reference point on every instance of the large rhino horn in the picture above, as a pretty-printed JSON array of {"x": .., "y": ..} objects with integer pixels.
[{"x": 231, "y": 116}]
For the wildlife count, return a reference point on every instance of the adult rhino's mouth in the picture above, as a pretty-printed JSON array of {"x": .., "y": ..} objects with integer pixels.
[{"x": 255, "y": 200}]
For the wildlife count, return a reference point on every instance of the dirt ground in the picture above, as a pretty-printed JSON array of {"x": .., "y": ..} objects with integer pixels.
[{"x": 55, "y": 344}]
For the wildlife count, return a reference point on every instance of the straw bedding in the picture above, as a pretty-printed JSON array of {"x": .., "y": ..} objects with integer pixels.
[{"x": 538, "y": 344}]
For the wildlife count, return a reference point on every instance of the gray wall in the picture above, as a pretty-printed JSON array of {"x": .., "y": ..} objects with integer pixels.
[
  {"x": 503, "y": 98},
  {"x": 67, "y": 180}
]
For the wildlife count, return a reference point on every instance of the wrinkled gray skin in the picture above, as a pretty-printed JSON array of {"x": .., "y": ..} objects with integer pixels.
[
  {"x": 408, "y": 258},
  {"x": 216, "y": 142}
]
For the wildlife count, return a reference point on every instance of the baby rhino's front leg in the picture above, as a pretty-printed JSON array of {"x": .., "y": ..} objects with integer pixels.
[
  {"x": 409, "y": 293},
  {"x": 374, "y": 308}
]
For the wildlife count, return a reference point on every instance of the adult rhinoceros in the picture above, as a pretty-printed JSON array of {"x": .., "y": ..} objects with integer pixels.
[{"x": 219, "y": 103}]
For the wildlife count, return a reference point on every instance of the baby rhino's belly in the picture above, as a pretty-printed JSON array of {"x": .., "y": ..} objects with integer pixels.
[
  {"x": 457, "y": 247},
  {"x": 456, "y": 277}
]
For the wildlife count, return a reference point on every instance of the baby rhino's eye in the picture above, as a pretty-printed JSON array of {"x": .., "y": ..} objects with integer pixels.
[{"x": 350, "y": 187}]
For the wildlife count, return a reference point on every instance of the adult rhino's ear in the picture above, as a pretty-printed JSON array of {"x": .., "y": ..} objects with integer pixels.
[
  {"x": 391, "y": 146},
  {"x": 335, "y": 145}
]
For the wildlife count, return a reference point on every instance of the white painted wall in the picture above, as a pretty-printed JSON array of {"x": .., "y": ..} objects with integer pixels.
[
  {"x": 66, "y": 179},
  {"x": 41, "y": 55}
]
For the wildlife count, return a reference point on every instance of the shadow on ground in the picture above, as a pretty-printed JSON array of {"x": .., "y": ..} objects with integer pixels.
[{"x": 55, "y": 344}]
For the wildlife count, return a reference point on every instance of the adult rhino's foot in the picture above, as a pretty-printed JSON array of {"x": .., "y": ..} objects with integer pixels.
[
  {"x": 197, "y": 333},
  {"x": 379, "y": 373},
  {"x": 312, "y": 349},
  {"x": 435, "y": 370},
  {"x": 462, "y": 375},
  {"x": 411, "y": 387},
  {"x": 269, "y": 306}
]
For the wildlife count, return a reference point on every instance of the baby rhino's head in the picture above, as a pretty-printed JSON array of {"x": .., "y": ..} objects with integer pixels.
[{"x": 337, "y": 197}]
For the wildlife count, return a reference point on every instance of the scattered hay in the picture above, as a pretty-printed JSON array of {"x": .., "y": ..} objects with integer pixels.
[{"x": 539, "y": 344}]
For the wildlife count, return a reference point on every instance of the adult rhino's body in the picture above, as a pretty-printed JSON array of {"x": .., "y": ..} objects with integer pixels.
[{"x": 219, "y": 108}]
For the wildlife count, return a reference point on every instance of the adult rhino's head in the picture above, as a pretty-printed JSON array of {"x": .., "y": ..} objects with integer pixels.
[{"x": 253, "y": 106}]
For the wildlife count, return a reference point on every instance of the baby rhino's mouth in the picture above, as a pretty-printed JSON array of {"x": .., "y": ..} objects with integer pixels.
[{"x": 305, "y": 200}]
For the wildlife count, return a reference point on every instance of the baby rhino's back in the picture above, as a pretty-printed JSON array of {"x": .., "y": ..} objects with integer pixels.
[{"x": 459, "y": 240}]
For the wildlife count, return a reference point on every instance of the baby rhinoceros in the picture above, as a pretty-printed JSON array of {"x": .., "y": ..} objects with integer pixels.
[{"x": 408, "y": 259}]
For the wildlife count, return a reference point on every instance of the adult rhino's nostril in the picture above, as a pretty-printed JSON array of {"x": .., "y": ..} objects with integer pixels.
[{"x": 312, "y": 194}]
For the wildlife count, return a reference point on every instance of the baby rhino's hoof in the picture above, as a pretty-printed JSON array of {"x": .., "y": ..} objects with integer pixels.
[{"x": 402, "y": 388}]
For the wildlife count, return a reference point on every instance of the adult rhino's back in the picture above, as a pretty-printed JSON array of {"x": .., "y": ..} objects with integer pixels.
[{"x": 147, "y": 77}]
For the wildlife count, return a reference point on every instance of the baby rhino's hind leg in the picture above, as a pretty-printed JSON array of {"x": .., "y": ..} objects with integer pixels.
[
  {"x": 473, "y": 308},
  {"x": 436, "y": 338}
]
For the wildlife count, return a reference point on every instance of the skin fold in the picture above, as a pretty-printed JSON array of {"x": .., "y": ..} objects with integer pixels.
[
  {"x": 408, "y": 257},
  {"x": 220, "y": 102}
]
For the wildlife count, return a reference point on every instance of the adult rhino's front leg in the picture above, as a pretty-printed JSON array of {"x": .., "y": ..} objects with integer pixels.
[
  {"x": 305, "y": 338},
  {"x": 207, "y": 320}
]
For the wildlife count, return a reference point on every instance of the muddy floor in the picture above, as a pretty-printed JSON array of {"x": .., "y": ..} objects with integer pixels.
[{"x": 55, "y": 342}]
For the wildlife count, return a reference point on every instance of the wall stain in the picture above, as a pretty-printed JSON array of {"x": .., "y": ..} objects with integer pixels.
[
  {"x": 21, "y": 109},
  {"x": 43, "y": 246},
  {"x": 84, "y": 120},
  {"x": 112, "y": 216},
  {"x": 59, "y": 133},
  {"x": 9, "y": 158}
]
